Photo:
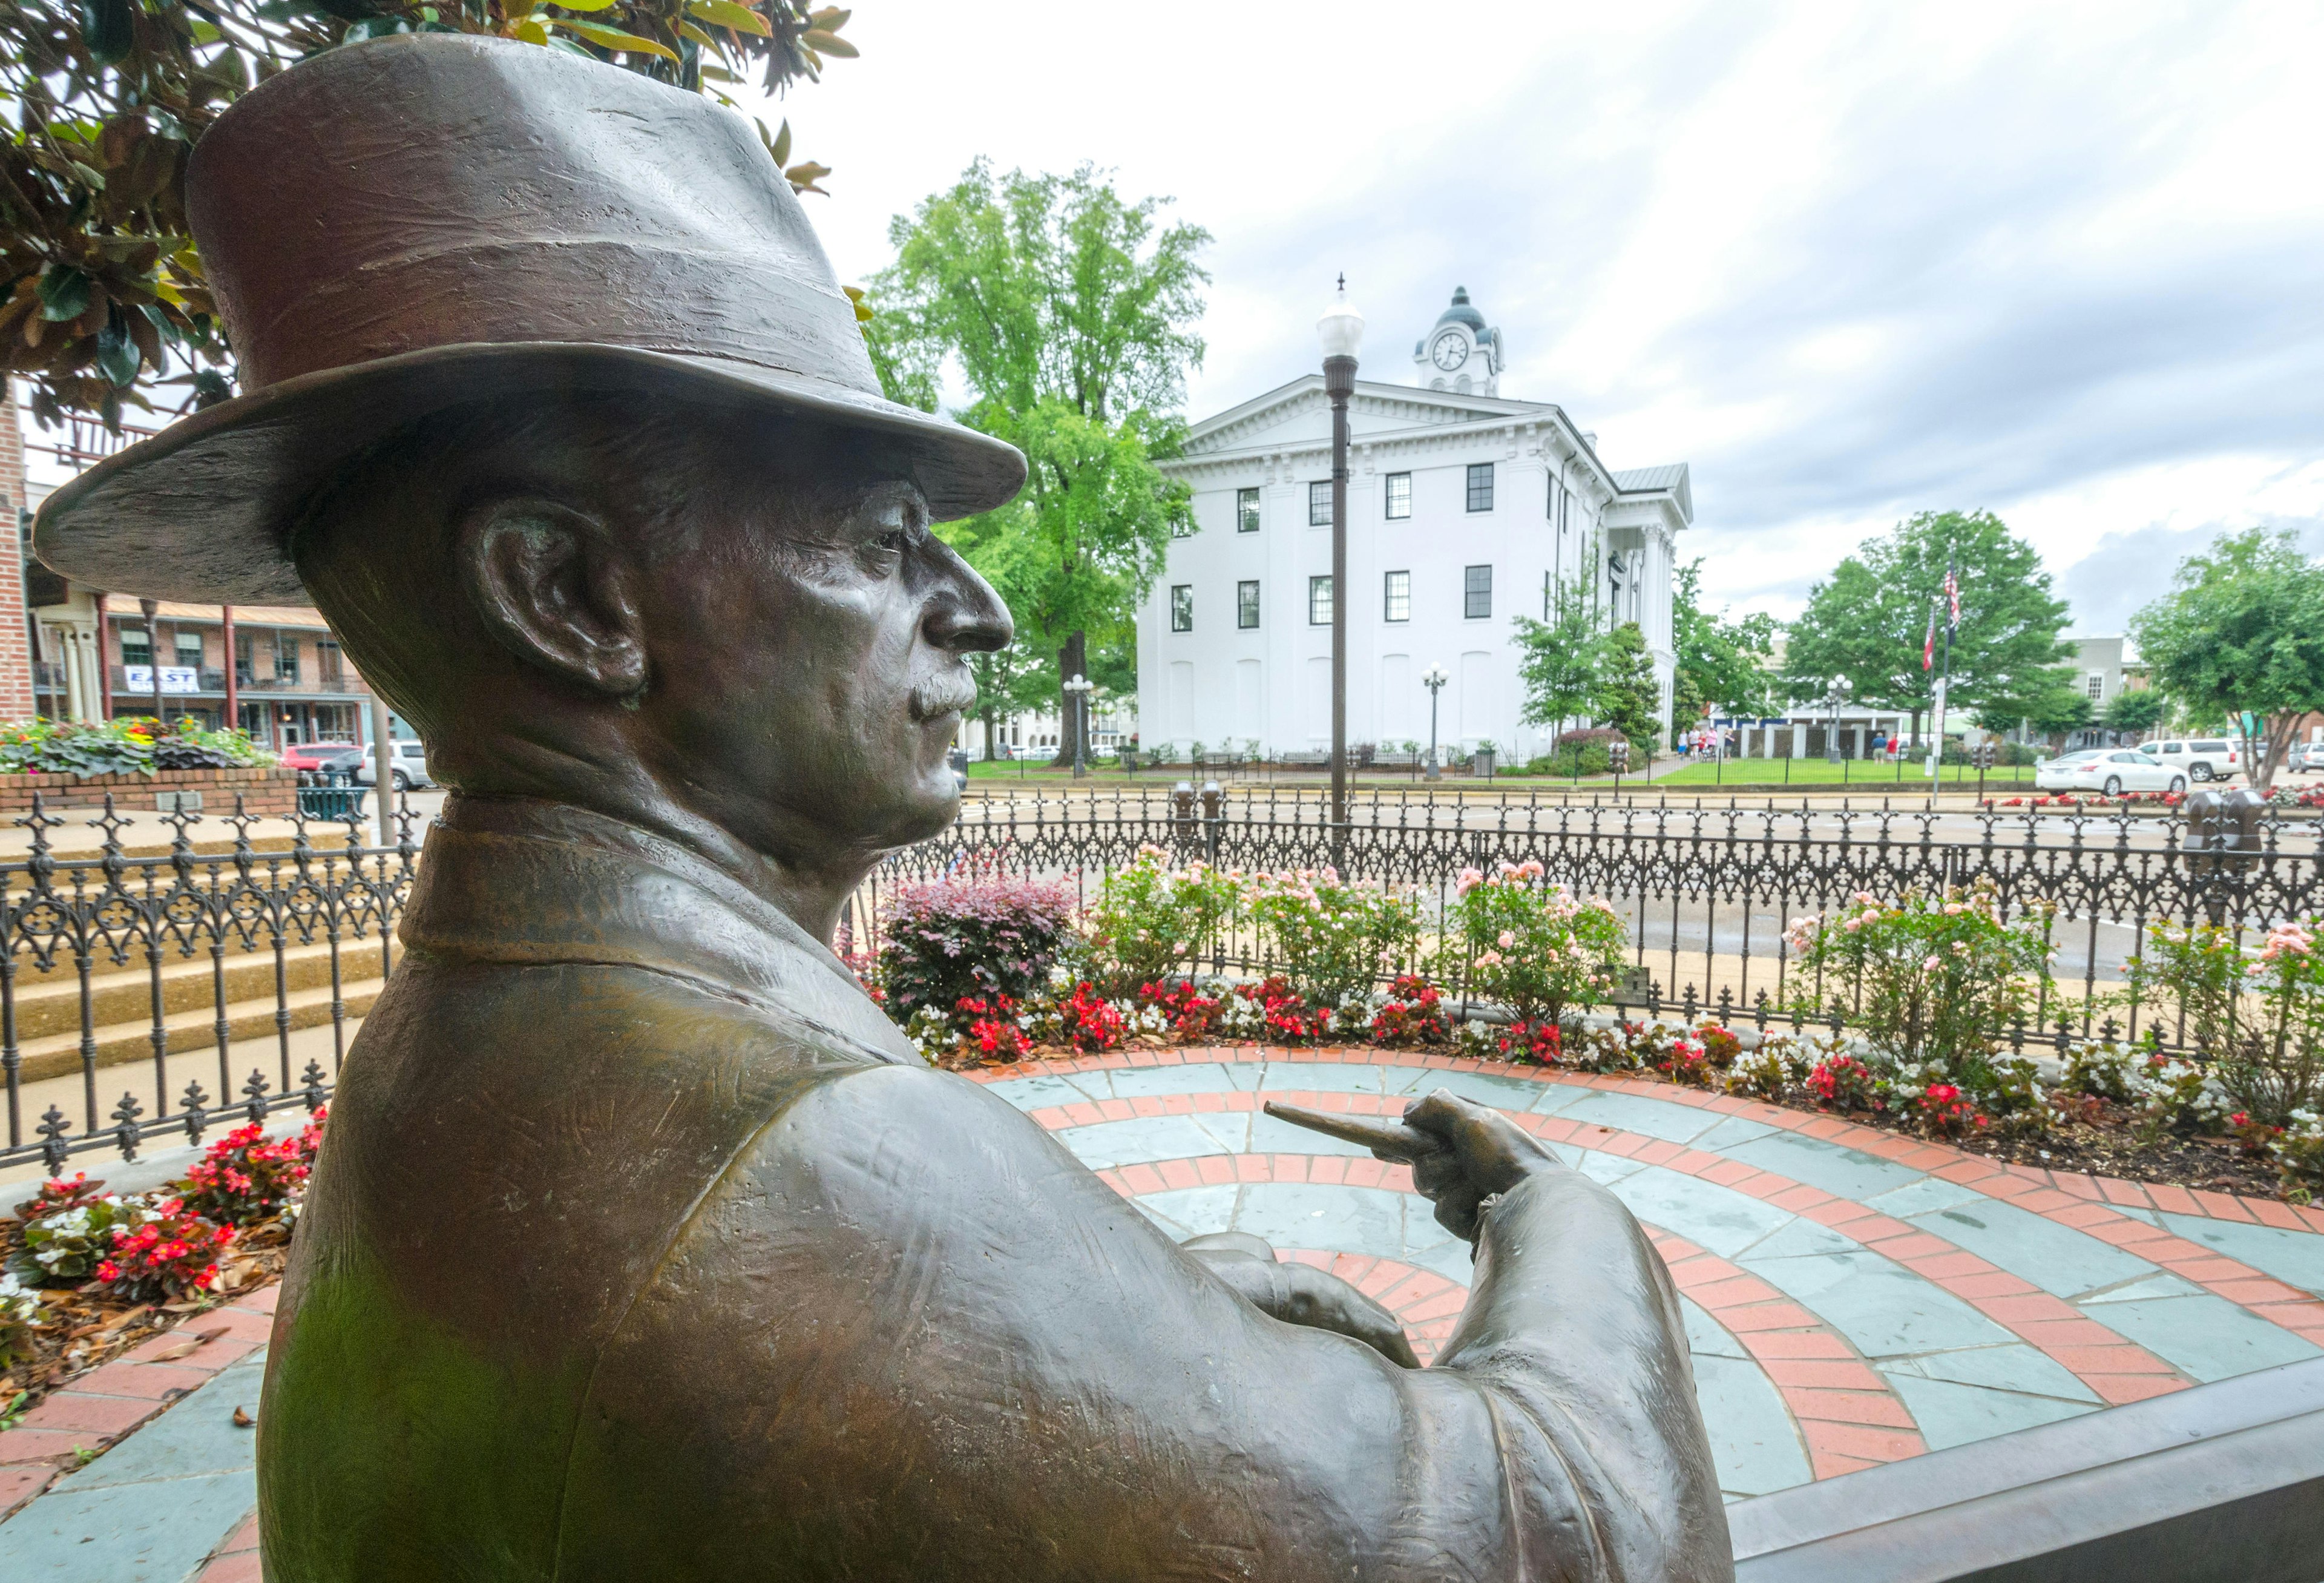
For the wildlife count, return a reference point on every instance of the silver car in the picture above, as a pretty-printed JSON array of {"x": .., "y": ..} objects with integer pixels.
[{"x": 410, "y": 765}]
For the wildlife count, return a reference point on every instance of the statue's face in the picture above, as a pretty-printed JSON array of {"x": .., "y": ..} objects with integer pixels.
[{"x": 804, "y": 689}]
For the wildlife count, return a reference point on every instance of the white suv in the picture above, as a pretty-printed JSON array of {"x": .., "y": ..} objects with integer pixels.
[
  {"x": 411, "y": 763},
  {"x": 2203, "y": 759}
]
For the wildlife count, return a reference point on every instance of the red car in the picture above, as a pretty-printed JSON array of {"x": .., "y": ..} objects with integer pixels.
[{"x": 310, "y": 755}]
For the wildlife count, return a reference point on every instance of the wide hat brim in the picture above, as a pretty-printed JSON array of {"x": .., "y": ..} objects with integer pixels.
[{"x": 203, "y": 511}]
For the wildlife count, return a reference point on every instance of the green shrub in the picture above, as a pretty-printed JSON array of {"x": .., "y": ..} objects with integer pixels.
[
  {"x": 1152, "y": 920},
  {"x": 1332, "y": 940},
  {"x": 1938, "y": 978},
  {"x": 2256, "y": 1012},
  {"x": 121, "y": 746},
  {"x": 1532, "y": 945},
  {"x": 950, "y": 941}
]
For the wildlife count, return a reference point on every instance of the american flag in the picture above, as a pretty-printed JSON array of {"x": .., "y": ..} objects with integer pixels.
[
  {"x": 1929, "y": 644},
  {"x": 1952, "y": 598}
]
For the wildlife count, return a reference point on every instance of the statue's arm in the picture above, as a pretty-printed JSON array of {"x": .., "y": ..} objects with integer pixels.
[{"x": 1022, "y": 1331}]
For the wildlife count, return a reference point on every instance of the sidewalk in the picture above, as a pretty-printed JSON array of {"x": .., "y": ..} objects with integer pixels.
[{"x": 143, "y": 833}]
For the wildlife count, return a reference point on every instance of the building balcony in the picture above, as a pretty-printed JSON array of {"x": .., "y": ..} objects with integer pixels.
[{"x": 186, "y": 681}]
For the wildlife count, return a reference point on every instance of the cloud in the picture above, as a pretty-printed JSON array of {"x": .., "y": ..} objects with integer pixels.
[{"x": 2129, "y": 570}]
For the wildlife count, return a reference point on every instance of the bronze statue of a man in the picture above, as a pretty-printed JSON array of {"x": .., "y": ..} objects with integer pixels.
[{"x": 645, "y": 1246}]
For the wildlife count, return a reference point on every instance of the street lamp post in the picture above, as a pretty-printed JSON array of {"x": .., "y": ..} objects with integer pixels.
[
  {"x": 1341, "y": 331},
  {"x": 1837, "y": 697},
  {"x": 1433, "y": 680},
  {"x": 1079, "y": 688}
]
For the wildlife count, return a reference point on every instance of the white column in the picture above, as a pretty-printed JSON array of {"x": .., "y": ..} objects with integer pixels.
[{"x": 1799, "y": 739}]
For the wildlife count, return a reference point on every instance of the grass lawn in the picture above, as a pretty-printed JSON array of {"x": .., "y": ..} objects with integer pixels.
[{"x": 1815, "y": 772}]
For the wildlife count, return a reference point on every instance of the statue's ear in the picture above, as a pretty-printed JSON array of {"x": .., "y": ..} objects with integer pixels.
[{"x": 554, "y": 590}]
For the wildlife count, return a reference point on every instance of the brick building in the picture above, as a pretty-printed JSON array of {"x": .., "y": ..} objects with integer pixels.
[{"x": 15, "y": 633}]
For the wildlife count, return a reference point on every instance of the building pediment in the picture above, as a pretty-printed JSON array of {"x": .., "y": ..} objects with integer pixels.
[{"x": 1300, "y": 413}]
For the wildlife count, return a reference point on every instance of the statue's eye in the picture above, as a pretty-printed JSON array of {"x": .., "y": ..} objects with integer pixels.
[{"x": 894, "y": 539}]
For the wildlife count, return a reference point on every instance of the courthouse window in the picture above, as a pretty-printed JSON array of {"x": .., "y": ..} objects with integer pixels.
[
  {"x": 1396, "y": 604},
  {"x": 1319, "y": 601},
  {"x": 1399, "y": 496},
  {"x": 1247, "y": 605},
  {"x": 1182, "y": 607},
  {"x": 1477, "y": 590},
  {"x": 1480, "y": 485},
  {"x": 1246, "y": 511},
  {"x": 1319, "y": 504}
]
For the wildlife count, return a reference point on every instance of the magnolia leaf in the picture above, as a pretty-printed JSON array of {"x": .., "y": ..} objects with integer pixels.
[
  {"x": 585, "y": 4},
  {"x": 831, "y": 18},
  {"x": 613, "y": 38},
  {"x": 117, "y": 356},
  {"x": 829, "y": 43},
  {"x": 64, "y": 294},
  {"x": 726, "y": 14},
  {"x": 781, "y": 147},
  {"x": 693, "y": 34},
  {"x": 110, "y": 28},
  {"x": 531, "y": 31}
]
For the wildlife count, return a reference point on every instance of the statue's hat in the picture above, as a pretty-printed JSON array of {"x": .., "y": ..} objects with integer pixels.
[{"x": 427, "y": 220}]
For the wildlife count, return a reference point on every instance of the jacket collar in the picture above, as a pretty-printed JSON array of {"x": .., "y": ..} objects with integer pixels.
[{"x": 528, "y": 883}]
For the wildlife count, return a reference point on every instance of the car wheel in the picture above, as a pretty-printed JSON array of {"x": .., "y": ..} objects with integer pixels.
[
  {"x": 2178, "y": 783},
  {"x": 402, "y": 781},
  {"x": 2113, "y": 785},
  {"x": 2200, "y": 772}
]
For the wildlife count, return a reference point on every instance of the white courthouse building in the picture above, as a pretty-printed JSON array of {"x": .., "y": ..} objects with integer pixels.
[{"x": 1465, "y": 508}]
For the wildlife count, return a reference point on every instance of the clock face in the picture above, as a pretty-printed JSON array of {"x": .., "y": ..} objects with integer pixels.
[{"x": 1450, "y": 350}]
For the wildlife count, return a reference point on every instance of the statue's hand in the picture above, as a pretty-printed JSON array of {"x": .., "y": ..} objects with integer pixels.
[
  {"x": 1300, "y": 1294},
  {"x": 1481, "y": 1154}
]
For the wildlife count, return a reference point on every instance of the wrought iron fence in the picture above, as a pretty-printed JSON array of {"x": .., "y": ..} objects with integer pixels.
[
  {"x": 1707, "y": 891},
  {"x": 249, "y": 964},
  {"x": 242, "y": 954}
]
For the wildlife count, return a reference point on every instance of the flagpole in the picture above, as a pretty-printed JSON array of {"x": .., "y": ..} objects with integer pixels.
[{"x": 1951, "y": 596}]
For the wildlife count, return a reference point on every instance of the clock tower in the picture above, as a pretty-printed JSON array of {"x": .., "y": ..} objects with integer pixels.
[{"x": 1459, "y": 354}]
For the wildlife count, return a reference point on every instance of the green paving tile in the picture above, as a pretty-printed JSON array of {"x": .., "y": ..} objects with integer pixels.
[
  {"x": 1326, "y": 1077},
  {"x": 1501, "y": 1093},
  {"x": 1555, "y": 1097},
  {"x": 1351, "y": 1220},
  {"x": 1882, "y": 1307},
  {"x": 1653, "y": 1118},
  {"x": 2206, "y": 1338},
  {"x": 1802, "y": 1237},
  {"x": 2059, "y": 1259},
  {"x": 2015, "y": 1366},
  {"x": 1730, "y": 1131},
  {"x": 1141, "y": 1082},
  {"x": 1038, "y": 1093},
  {"x": 1607, "y": 1168},
  {"x": 1954, "y": 1415},
  {"x": 2139, "y": 1290},
  {"x": 1706, "y": 1337},
  {"x": 1719, "y": 1218},
  {"x": 1270, "y": 1136},
  {"x": 1752, "y": 1442},
  {"x": 1147, "y": 1138},
  {"x": 1842, "y": 1172},
  {"x": 2296, "y": 1258},
  {"x": 1922, "y": 1197},
  {"x": 1192, "y": 1211}
]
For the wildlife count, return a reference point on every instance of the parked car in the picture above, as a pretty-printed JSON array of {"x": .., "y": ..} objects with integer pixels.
[
  {"x": 410, "y": 766},
  {"x": 310, "y": 755},
  {"x": 2305, "y": 756},
  {"x": 343, "y": 765},
  {"x": 958, "y": 759},
  {"x": 2197, "y": 760},
  {"x": 2108, "y": 771}
]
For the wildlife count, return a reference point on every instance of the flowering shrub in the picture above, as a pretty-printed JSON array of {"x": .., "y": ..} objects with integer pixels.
[
  {"x": 1540, "y": 1041},
  {"x": 2258, "y": 1011},
  {"x": 1151, "y": 920},
  {"x": 1605, "y": 1050},
  {"x": 1090, "y": 1023},
  {"x": 1411, "y": 1014},
  {"x": 167, "y": 1255},
  {"x": 2299, "y": 1151},
  {"x": 1532, "y": 945},
  {"x": 65, "y": 1247},
  {"x": 1771, "y": 1071},
  {"x": 989, "y": 1023},
  {"x": 20, "y": 1316},
  {"x": 125, "y": 745},
  {"x": 243, "y": 1179},
  {"x": 1185, "y": 1009},
  {"x": 1720, "y": 1045},
  {"x": 1284, "y": 1014},
  {"x": 1333, "y": 938},
  {"x": 1842, "y": 1082},
  {"x": 950, "y": 941},
  {"x": 1937, "y": 978},
  {"x": 1947, "y": 1111},
  {"x": 59, "y": 1194}
]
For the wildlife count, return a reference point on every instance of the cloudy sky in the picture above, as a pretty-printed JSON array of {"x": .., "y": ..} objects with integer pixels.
[{"x": 2064, "y": 260}]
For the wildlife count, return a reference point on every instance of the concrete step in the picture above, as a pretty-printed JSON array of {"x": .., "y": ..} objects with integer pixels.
[
  {"x": 248, "y": 1021},
  {"x": 48, "y": 1003}
]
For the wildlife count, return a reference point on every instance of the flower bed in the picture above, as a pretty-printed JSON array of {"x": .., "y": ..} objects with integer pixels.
[
  {"x": 85, "y": 1275},
  {"x": 1925, "y": 977}
]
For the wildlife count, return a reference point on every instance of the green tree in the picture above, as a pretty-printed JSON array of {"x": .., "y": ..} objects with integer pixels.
[
  {"x": 1628, "y": 699},
  {"x": 1561, "y": 658},
  {"x": 2048, "y": 701},
  {"x": 1068, "y": 313},
  {"x": 105, "y": 296},
  {"x": 1721, "y": 663},
  {"x": 1867, "y": 621},
  {"x": 2135, "y": 711},
  {"x": 2241, "y": 635}
]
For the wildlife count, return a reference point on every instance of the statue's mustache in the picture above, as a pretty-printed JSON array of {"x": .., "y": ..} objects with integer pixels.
[{"x": 942, "y": 695}]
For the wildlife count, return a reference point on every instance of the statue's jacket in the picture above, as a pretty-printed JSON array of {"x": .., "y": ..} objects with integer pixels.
[{"x": 643, "y": 1245}]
